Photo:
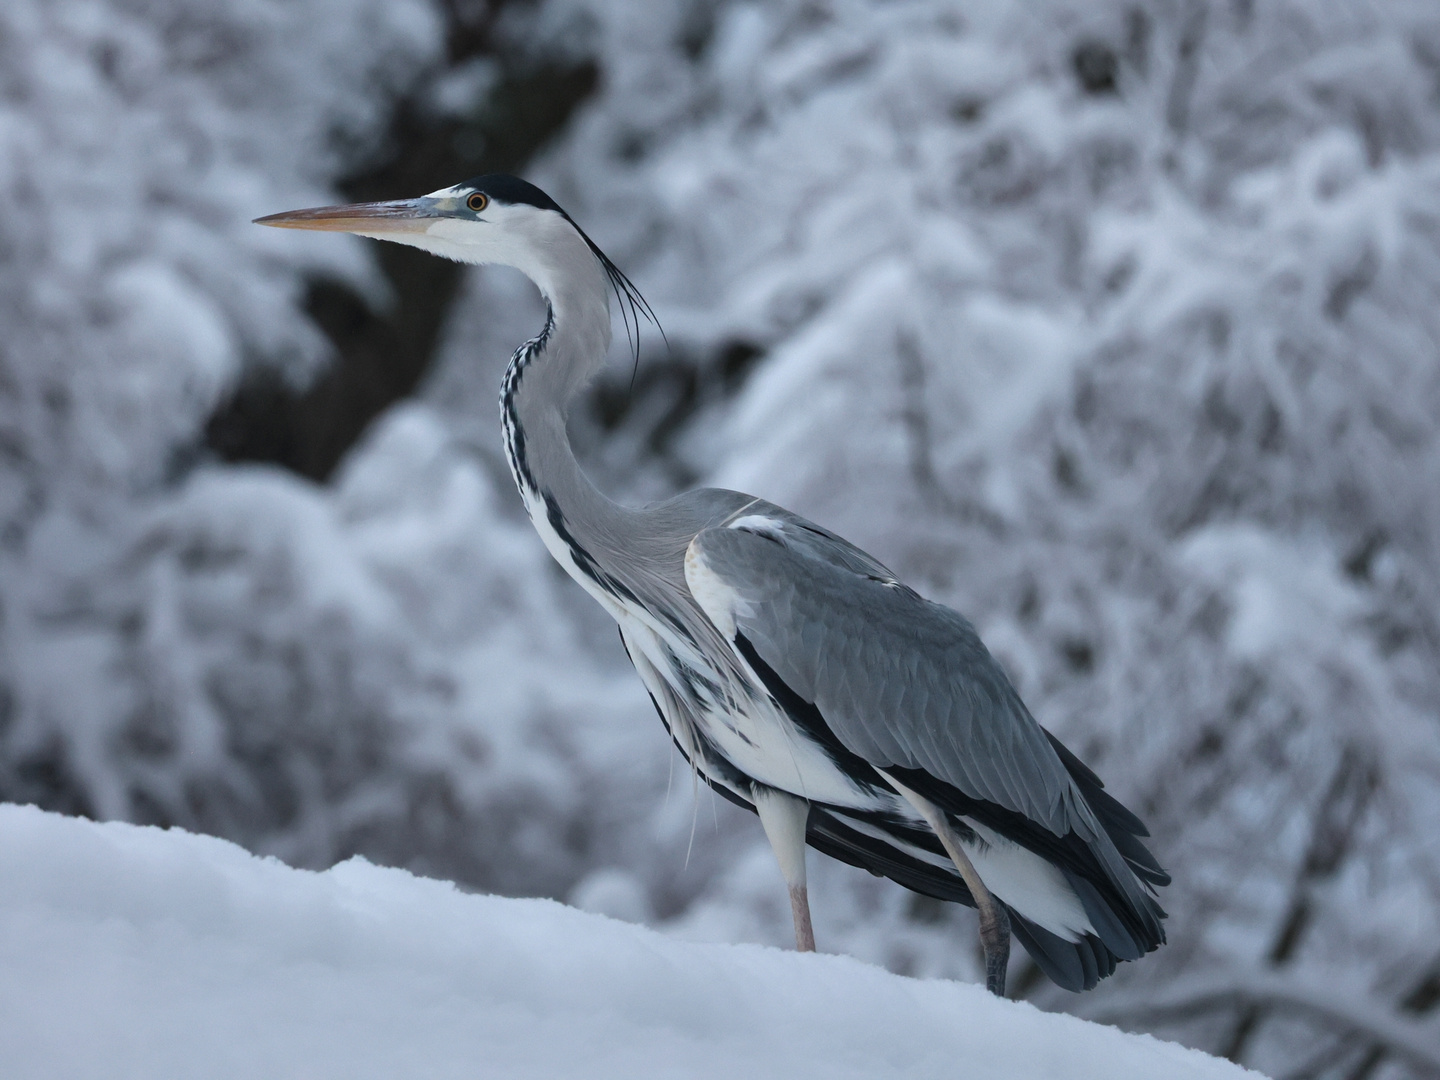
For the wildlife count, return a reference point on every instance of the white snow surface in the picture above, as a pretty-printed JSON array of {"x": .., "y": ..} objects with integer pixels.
[{"x": 135, "y": 952}]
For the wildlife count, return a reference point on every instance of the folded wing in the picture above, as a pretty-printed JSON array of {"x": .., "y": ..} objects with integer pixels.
[{"x": 908, "y": 686}]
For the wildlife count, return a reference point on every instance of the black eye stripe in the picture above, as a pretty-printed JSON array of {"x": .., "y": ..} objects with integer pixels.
[{"x": 511, "y": 191}]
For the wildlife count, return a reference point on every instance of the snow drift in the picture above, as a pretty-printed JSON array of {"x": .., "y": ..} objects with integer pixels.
[{"x": 132, "y": 952}]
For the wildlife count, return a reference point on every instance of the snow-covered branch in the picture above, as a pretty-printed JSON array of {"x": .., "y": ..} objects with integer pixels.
[{"x": 1327, "y": 998}]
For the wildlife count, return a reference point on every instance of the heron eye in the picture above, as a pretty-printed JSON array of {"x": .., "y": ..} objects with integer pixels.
[{"x": 478, "y": 201}]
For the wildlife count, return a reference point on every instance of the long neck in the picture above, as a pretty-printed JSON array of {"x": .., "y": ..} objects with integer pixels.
[
  {"x": 534, "y": 399},
  {"x": 572, "y": 516}
]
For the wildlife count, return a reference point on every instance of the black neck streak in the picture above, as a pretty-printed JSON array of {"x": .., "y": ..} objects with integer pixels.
[
  {"x": 533, "y": 490},
  {"x": 509, "y": 417}
]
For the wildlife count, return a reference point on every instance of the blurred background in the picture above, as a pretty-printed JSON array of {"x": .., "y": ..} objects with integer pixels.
[{"x": 1113, "y": 323}]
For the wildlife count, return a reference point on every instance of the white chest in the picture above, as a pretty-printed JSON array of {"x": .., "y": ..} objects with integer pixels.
[{"x": 743, "y": 723}]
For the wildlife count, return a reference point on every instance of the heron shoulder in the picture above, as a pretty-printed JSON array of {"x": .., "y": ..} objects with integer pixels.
[{"x": 683, "y": 516}]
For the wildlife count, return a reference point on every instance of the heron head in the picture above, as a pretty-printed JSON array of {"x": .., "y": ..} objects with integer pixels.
[{"x": 491, "y": 219}]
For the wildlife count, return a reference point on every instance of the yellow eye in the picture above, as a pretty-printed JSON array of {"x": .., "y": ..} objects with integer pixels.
[{"x": 478, "y": 201}]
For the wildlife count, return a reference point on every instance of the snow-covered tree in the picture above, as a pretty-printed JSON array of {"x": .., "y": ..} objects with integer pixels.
[{"x": 1111, "y": 324}]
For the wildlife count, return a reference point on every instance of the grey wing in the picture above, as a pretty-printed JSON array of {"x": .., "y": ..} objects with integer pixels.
[{"x": 901, "y": 682}]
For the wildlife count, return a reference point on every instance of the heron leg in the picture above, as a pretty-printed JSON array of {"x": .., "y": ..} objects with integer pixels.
[
  {"x": 784, "y": 818},
  {"x": 995, "y": 940},
  {"x": 994, "y": 921}
]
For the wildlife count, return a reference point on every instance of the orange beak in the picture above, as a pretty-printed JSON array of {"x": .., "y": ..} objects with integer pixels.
[{"x": 375, "y": 218}]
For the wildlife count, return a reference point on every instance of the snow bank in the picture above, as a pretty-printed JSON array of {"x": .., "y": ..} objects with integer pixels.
[{"x": 132, "y": 952}]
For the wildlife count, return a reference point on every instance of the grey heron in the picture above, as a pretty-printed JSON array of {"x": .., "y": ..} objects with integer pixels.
[{"x": 798, "y": 676}]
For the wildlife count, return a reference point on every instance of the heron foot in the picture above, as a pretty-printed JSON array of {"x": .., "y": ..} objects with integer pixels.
[
  {"x": 800, "y": 908},
  {"x": 995, "y": 940}
]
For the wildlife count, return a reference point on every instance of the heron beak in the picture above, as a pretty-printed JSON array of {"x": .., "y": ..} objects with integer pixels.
[{"x": 370, "y": 219}]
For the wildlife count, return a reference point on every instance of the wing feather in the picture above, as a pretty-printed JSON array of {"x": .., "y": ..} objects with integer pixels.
[
  {"x": 893, "y": 681},
  {"x": 900, "y": 680}
]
